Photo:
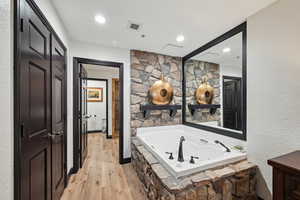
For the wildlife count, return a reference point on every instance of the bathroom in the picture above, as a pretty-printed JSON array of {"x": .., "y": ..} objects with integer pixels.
[{"x": 207, "y": 103}]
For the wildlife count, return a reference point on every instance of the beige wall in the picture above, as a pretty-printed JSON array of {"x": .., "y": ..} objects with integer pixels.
[{"x": 273, "y": 85}]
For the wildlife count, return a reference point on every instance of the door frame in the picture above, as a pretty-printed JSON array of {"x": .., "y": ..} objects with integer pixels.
[
  {"x": 223, "y": 90},
  {"x": 106, "y": 104},
  {"x": 76, "y": 62},
  {"x": 16, "y": 98}
]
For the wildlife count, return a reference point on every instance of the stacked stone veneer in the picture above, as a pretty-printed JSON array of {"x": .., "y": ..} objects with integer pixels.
[
  {"x": 232, "y": 182},
  {"x": 194, "y": 72},
  {"x": 146, "y": 68}
]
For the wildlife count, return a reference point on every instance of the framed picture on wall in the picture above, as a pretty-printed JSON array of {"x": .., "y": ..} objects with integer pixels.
[{"x": 94, "y": 94}]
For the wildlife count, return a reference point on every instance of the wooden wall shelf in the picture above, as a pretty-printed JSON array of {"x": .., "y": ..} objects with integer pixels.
[
  {"x": 146, "y": 109},
  {"x": 213, "y": 107}
]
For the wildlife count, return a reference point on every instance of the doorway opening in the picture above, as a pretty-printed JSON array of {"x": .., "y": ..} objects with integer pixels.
[
  {"x": 232, "y": 117},
  {"x": 86, "y": 97},
  {"x": 98, "y": 119}
]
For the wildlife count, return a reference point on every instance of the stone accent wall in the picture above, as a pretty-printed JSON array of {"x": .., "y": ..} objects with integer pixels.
[
  {"x": 232, "y": 182},
  {"x": 194, "y": 72},
  {"x": 146, "y": 68}
]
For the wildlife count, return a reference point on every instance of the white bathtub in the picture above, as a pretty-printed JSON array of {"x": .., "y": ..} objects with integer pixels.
[{"x": 160, "y": 140}]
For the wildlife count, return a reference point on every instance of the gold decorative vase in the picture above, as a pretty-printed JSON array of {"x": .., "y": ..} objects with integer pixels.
[
  {"x": 204, "y": 93},
  {"x": 161, "y": 92}
]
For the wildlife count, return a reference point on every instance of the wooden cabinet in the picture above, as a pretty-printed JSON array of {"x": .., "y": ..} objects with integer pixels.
[{"x": 286, "y": 176}]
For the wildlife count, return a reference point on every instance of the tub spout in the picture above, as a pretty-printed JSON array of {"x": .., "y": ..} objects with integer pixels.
[
  {"x": 180, "y": 151},
  {"x": 223, "y": 145}
]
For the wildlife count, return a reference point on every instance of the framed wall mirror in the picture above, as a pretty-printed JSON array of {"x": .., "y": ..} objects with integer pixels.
[{"x": 214, "y": 85}]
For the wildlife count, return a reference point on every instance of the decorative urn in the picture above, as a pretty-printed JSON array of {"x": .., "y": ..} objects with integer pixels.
[
  {"x": 204, "y": 93},
  {"x": 161, "y": 92}
]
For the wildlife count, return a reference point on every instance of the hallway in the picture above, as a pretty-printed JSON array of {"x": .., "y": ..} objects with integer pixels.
[{"x": 102, "y": 177}]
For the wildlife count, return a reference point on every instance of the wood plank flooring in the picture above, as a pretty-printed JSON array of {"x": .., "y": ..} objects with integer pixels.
[{"x": 102, "y": 177}]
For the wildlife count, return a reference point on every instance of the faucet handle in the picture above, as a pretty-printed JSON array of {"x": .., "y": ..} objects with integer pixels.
[
  {"x": 204, "y": 141},
  {"x": 182, "y": 139},
  {"x": 171, "y": 155},
  {"x": 192, "y": 161}
]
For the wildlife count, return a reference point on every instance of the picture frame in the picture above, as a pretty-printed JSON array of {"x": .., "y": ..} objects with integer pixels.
[{"x": 94, "y": 94}]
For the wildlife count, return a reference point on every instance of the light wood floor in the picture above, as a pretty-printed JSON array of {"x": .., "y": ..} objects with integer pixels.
[{"x": 102, "y": 177}]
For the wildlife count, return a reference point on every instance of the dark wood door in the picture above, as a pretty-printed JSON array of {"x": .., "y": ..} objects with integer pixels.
[
  {"x": 58, "y": 119},
  {"x": 84, "y": 115},
  {"x": 232, "y": 103},
  {"x": 35, "y": 107},
  {"x": 115, "y": 107}
]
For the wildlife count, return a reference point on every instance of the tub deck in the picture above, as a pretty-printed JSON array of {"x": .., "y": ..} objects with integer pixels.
[
  {"x": 159, "y": 140},
  {"x": 227, "y": 182}
]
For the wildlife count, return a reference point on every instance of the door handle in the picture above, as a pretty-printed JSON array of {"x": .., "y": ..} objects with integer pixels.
[
  {"x": 48, "y": 135},
  {"x": 58, "y": 133}
]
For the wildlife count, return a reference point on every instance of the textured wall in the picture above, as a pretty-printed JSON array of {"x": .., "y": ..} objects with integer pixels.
[
  {"x": 195, "y": 71},
  {"x": 146, "y": 68},
  {"x": 273, "y": 86}
]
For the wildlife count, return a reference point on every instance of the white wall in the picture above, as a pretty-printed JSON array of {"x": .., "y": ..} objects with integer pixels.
[
  {"x": 273, "y": 85},
  {"x": 97, "y": 52},
  {"x": 97, "y": 108},
  {"x": 6, "y": 96}
]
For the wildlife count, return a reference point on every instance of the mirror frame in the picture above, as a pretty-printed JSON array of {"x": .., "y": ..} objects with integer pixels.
[{"x": 242, "y": 28}]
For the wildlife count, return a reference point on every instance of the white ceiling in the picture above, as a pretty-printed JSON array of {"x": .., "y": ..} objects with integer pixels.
[
  {"x": 216, "y": 55},
  {"x": 162, "y": 20}
]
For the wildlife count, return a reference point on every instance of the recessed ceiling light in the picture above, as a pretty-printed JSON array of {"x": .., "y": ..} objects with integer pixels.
[
  {"x": 100, "y": 19},
  {"x": 180, "y": 38},
  {"x": 226, "y": 50}
]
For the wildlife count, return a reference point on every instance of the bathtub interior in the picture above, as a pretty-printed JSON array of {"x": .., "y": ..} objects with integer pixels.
[{"x": 160, "y": 140}]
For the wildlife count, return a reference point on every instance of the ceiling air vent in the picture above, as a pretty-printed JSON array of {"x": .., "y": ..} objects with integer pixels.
[
  {"x": 172, "y": 46},
  {"x": 134, "y": 26}
]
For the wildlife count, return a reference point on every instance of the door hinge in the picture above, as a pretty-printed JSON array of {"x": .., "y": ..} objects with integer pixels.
[{"x": 22, "y": 25}]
